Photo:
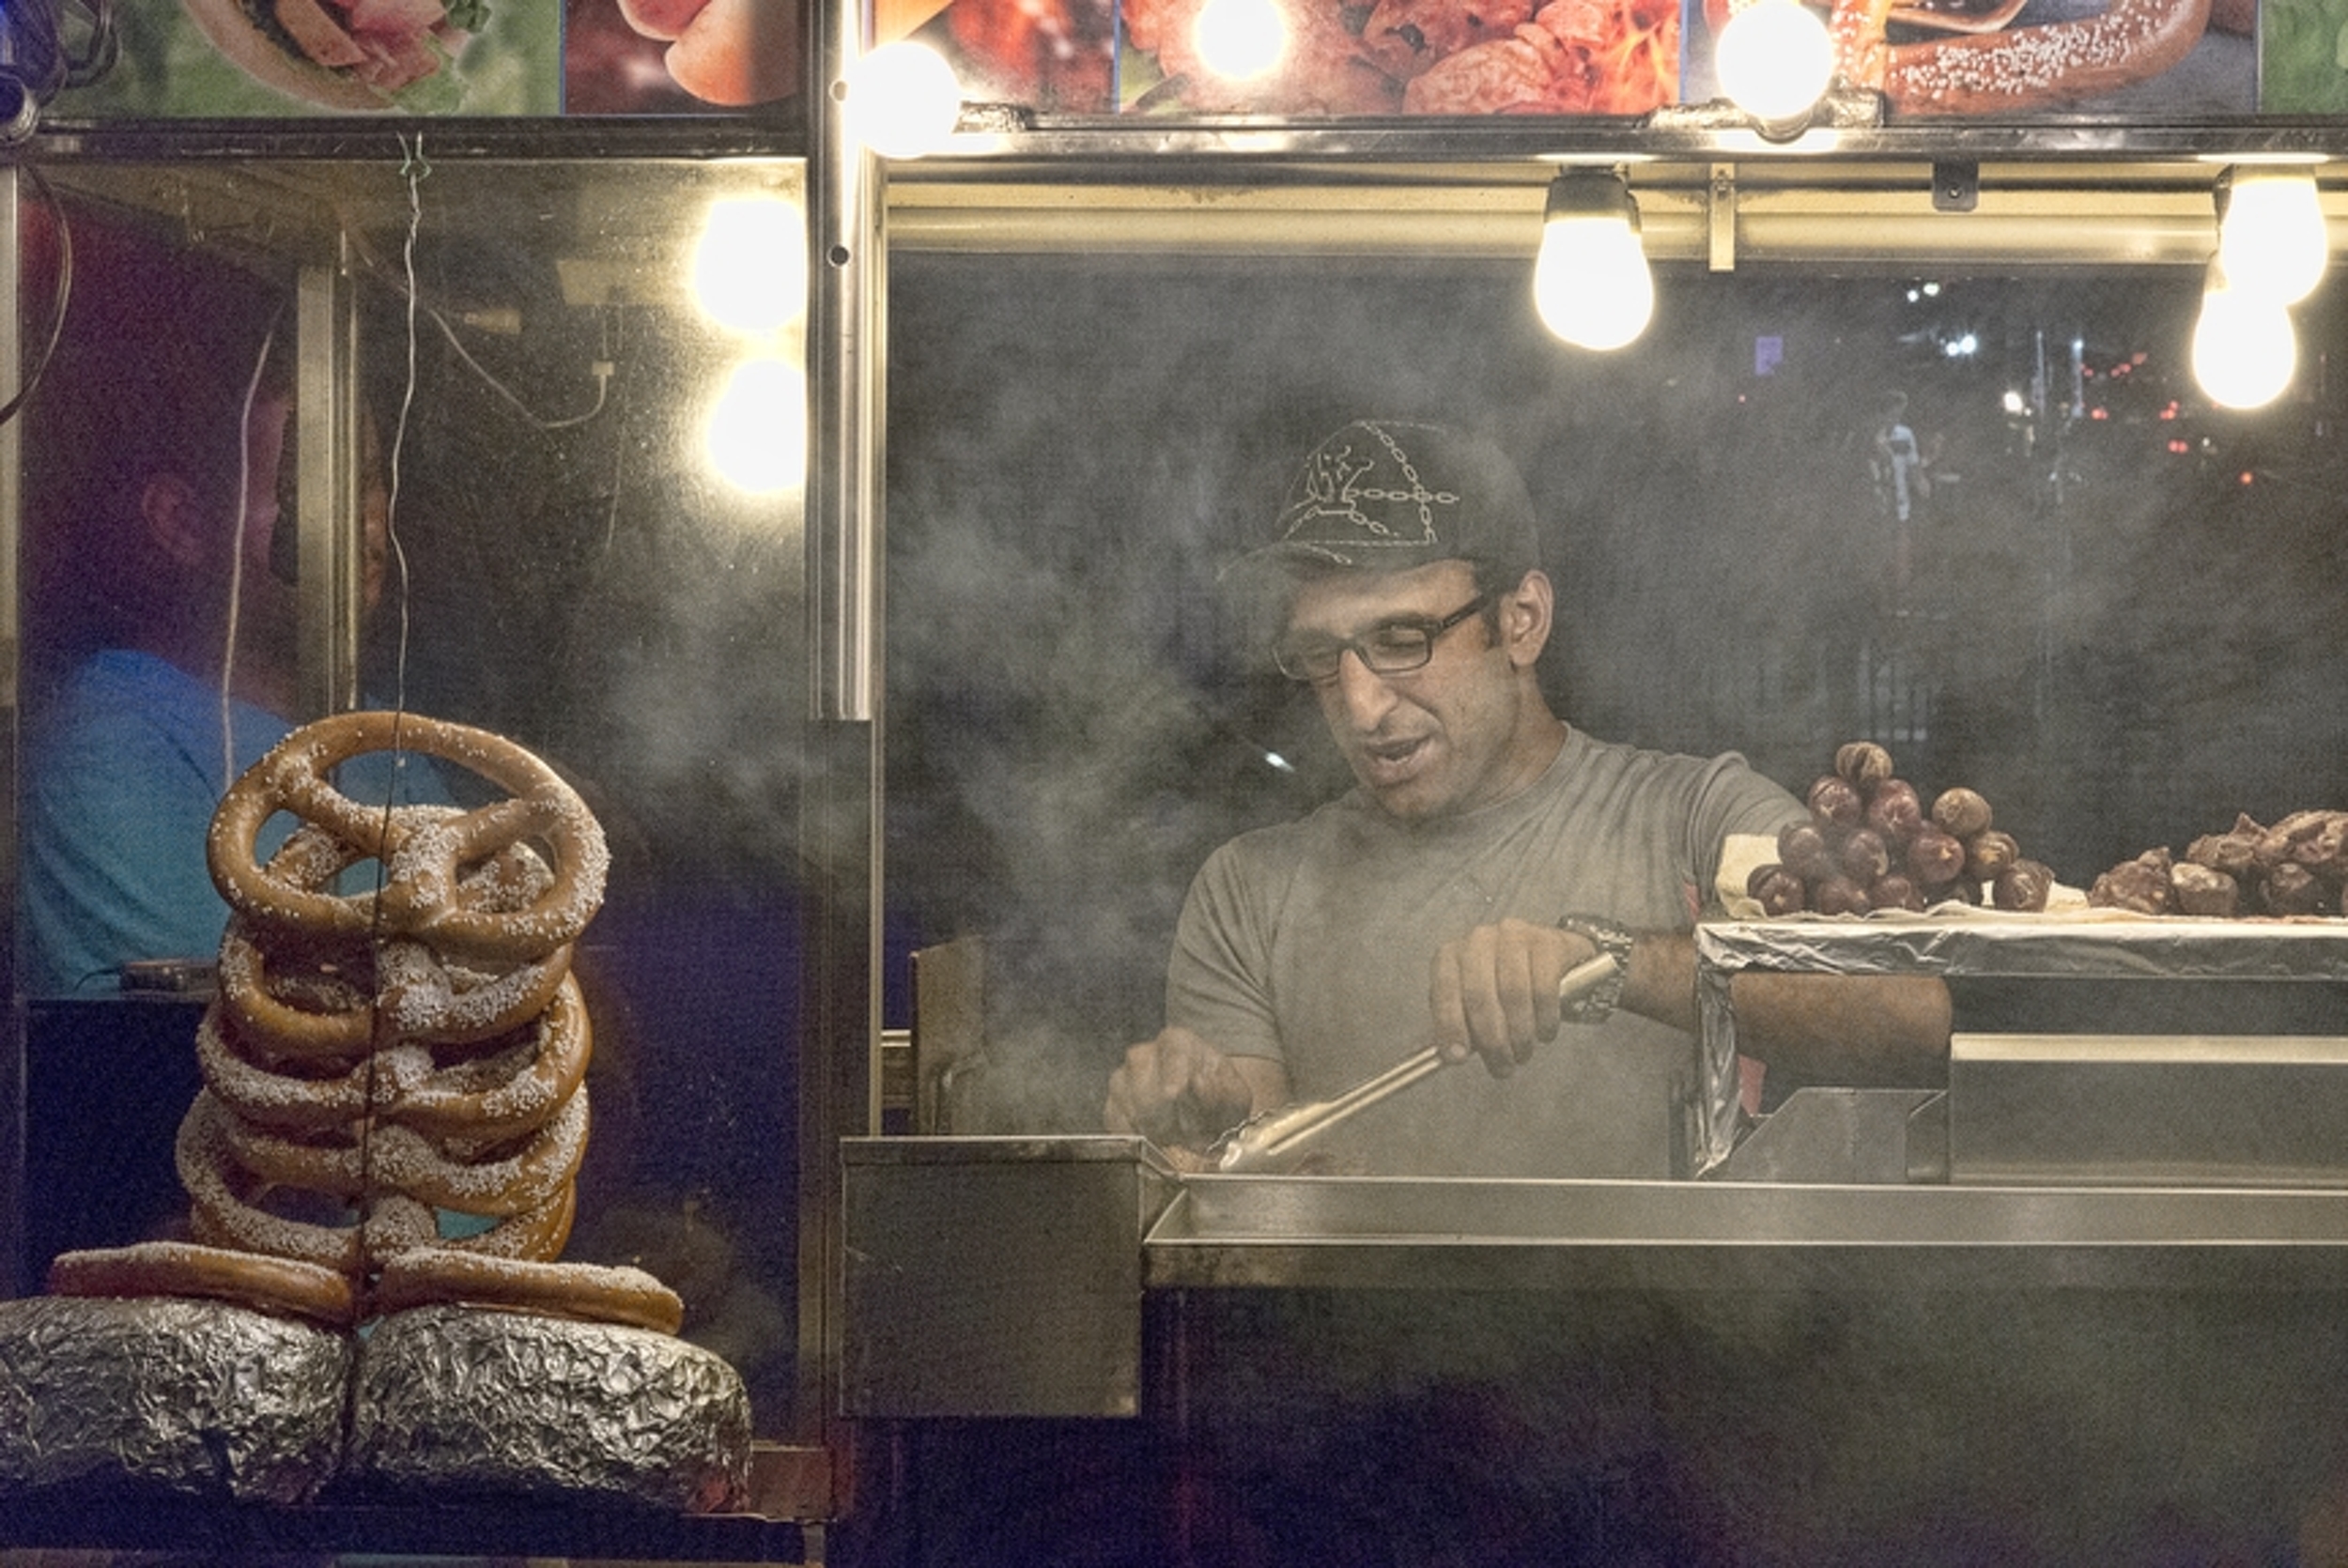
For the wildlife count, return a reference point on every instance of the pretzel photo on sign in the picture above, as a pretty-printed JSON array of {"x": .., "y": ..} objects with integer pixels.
[{"x": 2013, "y": 70}]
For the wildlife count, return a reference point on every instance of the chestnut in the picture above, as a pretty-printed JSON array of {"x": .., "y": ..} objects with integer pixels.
[
  {"x": 1836, "y": 799},
  {"x": 1778, "y": 891},
  {"x": 1801, "y": 847},
  {"x": 1863, "y": 855},
  {"x": 2205, "y": 890},
  {"x": 1989, "y": 853},
  {"x": 2291, "y": 888},
  {"x": 1895, "y": 812},
  {"x": 1864, "y": 762},
  {"x": 1893, "y": 891},
  {"x": 2023, "y": 886},
  {"x": 1936, "y": 858},
  {"x": 1960, "y": 812},
  {"x": 1839, "y": 895}
]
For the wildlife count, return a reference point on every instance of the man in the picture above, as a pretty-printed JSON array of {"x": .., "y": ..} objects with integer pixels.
[
  {"x": 161, "y": 529},
  {"x": 1487, "y": 849}
]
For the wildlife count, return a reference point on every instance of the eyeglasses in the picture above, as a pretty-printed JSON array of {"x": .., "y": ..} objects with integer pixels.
[{"x": 1393, "y": 647}]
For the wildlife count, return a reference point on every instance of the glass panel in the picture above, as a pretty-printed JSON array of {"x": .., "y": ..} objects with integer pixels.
[
  {"x": 2113, "y": 611},
  {"x": 576, "y": 542}
]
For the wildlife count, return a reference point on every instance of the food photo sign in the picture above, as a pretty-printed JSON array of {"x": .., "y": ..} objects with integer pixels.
[
  {"x": 2122, "y": 61},
  {"x": 258, "y": 58},
  {"x": 2125, "y": 61}
]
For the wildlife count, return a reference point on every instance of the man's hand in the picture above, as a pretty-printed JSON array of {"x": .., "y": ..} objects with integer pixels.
[
  {"x": 1495, "y": 991},
  {"x": 1179, "y": 1091}
]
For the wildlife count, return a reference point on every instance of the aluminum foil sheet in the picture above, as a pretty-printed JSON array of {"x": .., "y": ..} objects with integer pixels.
[
  {"x": 203, "y": 1398},
  {"x": 455, "y": 1399},
  {"x": 2070, "y": 944}
]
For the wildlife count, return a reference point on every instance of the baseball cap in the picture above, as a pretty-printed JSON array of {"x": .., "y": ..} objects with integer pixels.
[{"x": 1390, "y": 495}]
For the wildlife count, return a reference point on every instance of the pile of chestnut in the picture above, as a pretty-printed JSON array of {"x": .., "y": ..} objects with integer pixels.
[
  {"x": 1871, "y": 844},
  {"x": 2296, "y": 866}
]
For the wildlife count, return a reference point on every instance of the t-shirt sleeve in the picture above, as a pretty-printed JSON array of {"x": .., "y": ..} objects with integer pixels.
[
  {"x": 1217, "y": 981},
  {"x": 1733, "y": 824}
]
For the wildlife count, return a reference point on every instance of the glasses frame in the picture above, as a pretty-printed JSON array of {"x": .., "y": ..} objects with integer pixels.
[{"x": 1290, "y": 660}]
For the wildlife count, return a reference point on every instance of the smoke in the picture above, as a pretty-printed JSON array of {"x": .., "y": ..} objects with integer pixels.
[{"x": 1077, "y": 446}]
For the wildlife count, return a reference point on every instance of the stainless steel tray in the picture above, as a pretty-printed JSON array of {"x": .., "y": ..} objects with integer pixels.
[{"x": 1358, "y": 1233}]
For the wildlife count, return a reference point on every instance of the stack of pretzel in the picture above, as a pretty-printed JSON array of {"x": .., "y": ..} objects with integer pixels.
[{"x": 394, "y": 1108}]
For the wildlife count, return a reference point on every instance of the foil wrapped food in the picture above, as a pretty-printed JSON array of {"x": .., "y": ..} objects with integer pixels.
[
  {"x": 200, "y": 1398},
  {"x": 455, "y": 1399}
]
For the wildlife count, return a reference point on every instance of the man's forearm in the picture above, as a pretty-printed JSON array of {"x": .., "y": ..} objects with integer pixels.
[{"x": 1854, "y": 1029}]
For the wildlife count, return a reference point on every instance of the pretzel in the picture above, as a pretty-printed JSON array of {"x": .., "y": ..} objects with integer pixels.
[
  {"x": 227, "y": 1208},
  {"x": 2021, "y": 67},
  {"x": 424, "y": 854},
  {"x": 398, "y": 1158},
  {"x": 284, "y": 1286},
  {"x": 513, "y": 1088},
  {"x": 428, "y": 1276}
]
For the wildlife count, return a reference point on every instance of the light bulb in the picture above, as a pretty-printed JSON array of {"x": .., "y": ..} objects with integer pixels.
[
  {"x": 1240, "y": 39},
  {"x": 903, "y": 101},
  {"x": 2243, "y": 350},
  {"x": 2273, "y": 239},
  {"x": 757, "y": 433},
  {"x": 1774, "y": 60},
  {"x": 749, "y": 265},
  {"x": 1590, "y": 281}
]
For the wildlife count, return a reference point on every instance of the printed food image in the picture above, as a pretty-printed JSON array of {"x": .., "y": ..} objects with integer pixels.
[
  {"x": 352, "y": 55},
  {"x": 2171, "y": 60},
  {"x": 1429, "y": 57},
  {"x": 728, "y": 53}
]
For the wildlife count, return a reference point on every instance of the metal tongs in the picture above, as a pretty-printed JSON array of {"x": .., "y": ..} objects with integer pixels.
[{"x": 1271, "y": 1135}]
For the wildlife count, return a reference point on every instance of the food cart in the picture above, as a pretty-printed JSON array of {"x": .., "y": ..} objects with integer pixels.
[{"x": 907, "y": 740}]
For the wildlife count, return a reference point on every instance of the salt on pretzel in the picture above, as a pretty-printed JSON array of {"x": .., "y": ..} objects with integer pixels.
[
  {"x": 425, "y": 855},
  {"x": 592, "y": 1293},
  {"x": 513, "y": 1088},
  {"x": 2019, "y": 68},
  {"x": 352, "y": 1165},
  {"x": 229, "y": 1200},
  {"x": 283, "y": 1286}
]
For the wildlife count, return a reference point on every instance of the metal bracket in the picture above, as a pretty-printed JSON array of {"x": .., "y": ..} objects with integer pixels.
[{"x": 1955, "y": 186}]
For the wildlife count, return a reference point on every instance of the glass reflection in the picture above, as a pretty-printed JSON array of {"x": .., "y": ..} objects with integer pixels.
[{"x": 555, "y": 562}]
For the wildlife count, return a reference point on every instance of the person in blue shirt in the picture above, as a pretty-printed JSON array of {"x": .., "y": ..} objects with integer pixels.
[{"x": 174, "y": 539}]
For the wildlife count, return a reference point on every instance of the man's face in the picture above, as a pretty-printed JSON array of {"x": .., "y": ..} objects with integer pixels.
[{"x": 1455, "y": 734}]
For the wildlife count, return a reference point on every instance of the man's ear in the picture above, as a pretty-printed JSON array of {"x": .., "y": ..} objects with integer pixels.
[
  {"x": 1525, "y": 615},
  {"x": 175, "y": 518}
]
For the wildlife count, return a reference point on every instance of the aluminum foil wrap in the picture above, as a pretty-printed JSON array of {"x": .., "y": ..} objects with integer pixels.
[
  {"x": 201, "y": 1398},
  {"x": 463, "y": 1400},
  {"x": 2068, "y": 943}
]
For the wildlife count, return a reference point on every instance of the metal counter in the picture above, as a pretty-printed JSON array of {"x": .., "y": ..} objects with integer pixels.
[{"x": 1008, "y": 1276}]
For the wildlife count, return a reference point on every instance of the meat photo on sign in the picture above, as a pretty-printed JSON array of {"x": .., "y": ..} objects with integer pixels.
[
  {"x": 1415, "y": 57},
  {"x": 1056, "y": 56}
]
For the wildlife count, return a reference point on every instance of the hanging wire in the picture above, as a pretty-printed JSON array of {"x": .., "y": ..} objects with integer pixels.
[
  {"x": 64, "y": 292},
  {"x": 236, "y": 558}
]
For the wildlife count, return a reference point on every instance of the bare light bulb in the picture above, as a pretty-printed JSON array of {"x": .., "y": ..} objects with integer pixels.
[
  {"x": 1241, "y": 39},
  {"x": 2243, "y": 350},
  {"x": 749, "y": 264},
  {"x": 1774, "y": 60},
  {"x": 757, "y": 433},
  {"x": 903, "y": 101},
  {"x": 1590, "y": 279},
  {"x": 2273, "y": 239}
]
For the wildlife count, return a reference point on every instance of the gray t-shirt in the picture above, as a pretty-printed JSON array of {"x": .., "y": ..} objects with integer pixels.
[{"x": 1313, "y": 943}]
